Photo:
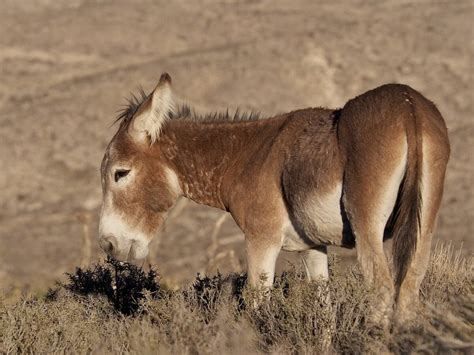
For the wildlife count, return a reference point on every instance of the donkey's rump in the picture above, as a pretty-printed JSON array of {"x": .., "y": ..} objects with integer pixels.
[{"x": 383, "y": 136}]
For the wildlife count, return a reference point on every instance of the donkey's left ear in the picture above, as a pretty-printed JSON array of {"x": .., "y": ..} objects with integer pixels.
[{"x": 154, "y": 112}]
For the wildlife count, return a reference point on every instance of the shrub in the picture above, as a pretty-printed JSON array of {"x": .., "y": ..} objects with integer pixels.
[{"x": 123, "y": 284}]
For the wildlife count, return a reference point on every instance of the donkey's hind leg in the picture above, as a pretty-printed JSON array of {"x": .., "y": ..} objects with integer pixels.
[
  {"x": 369, "y": 198},
  {"x": 434, "y": 166}
]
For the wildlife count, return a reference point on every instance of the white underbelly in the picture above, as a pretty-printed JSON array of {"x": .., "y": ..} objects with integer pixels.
[
  {"x": 294, "y": 241},
  {"x": 325, "y": 213},
  {"x": 320, "y": 218}
]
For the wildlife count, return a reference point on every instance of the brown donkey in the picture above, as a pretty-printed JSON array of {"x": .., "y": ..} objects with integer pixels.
[{"x": 299, "y": 182}]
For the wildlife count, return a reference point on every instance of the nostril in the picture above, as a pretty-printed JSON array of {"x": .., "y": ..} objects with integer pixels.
[
  {"x": 107, "y": 243},
  {"x": 109, "y": 247}
]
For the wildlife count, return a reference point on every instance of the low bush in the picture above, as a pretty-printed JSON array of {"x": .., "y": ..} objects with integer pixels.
[{"x": 116, "y": 307}]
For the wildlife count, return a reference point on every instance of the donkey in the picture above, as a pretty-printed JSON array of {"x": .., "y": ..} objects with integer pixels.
[{"x": 299, "y": 181}]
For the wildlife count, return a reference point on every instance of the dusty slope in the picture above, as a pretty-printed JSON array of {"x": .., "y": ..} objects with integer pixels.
[{"x": 66, "y": 67}]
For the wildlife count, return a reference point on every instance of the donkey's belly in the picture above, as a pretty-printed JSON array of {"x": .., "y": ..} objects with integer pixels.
[
  {"x": 293, "y": 240},
  {"x": 320, "y": 216}
]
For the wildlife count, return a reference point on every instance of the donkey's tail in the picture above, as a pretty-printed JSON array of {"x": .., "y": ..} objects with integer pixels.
[{"x": 406, "y": 222}]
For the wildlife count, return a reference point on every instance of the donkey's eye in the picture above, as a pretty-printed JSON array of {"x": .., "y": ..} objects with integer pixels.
[{"x": 120, "y": 173}]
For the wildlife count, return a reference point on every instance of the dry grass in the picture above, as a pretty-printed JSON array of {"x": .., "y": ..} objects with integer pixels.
[{"x": 118, "y": 308}]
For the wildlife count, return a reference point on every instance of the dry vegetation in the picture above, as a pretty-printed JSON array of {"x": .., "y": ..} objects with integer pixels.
[{"x": 119, "y": 308}]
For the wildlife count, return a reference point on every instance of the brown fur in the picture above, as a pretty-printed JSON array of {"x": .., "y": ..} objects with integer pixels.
[{"x": 301, "y": 181}]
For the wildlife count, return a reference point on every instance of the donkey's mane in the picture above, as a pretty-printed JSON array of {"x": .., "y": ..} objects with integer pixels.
[{"x": 183, "y": 112}]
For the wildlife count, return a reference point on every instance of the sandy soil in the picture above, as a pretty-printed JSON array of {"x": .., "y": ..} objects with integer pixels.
[{"x": 66, "y": 67}]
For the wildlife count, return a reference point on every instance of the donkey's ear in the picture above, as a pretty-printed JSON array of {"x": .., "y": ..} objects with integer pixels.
[{"x": 154, "y": 112}]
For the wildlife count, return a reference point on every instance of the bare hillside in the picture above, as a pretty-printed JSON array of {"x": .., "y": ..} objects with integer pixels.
[{"x": 66, "y": 67}]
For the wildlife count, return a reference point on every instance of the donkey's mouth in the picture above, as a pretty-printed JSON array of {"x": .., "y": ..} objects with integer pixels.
[
  {"x": 124, "y": 249},
  {"x": 138, "y": 251}
]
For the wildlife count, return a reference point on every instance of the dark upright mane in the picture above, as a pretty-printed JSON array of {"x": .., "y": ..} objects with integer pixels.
[{"x": 183, "y": 112}]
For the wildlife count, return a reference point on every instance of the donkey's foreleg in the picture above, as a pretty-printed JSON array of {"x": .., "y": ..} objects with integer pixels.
[
  {"x": 315, "y": 262},
  {"x": 262, "y": 254}
]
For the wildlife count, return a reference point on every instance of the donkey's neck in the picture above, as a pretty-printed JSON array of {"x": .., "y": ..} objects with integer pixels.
[{"x": 209, "y": 157}]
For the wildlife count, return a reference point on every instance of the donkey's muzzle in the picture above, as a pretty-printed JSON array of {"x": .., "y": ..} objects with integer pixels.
[{"x": 123, "y": 249}]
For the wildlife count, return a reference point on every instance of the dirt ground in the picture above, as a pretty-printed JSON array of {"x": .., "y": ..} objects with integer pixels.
[{"x": 66, "y": 67}]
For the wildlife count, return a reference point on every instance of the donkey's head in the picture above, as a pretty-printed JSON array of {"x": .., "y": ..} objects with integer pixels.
[{"x": 138, "y": 185}]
